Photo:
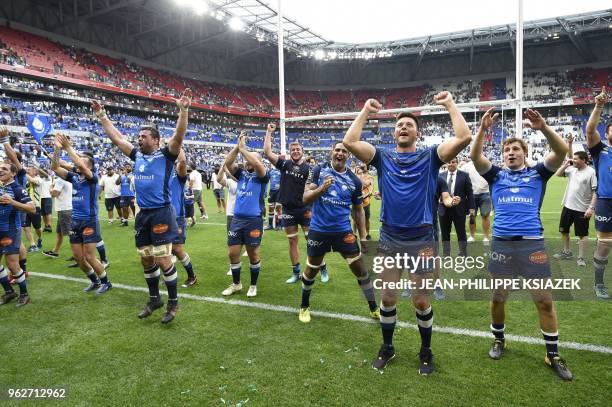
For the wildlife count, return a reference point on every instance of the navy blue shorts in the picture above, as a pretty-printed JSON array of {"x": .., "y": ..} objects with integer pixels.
[
  {"x": 294, "y": 217},
  {"x": 247, "y": 231},
  {"x": 273, "y": 197},
  {"x": 46, "y": 206},
  {"x": 181, "y": 233},
  {"x": 415, "y": 242},
  {"x": 84, "y": 231},
  {"x": 10, "y": 241},
  {"x": 515, "y": 256},
  {"x": 126, "y": 201},
  {"x": 189, "y": 210},
  {"x": 319, "y": 243},
  {"x": 603, "y": 215},
  {"x": 155, "y": 227}
]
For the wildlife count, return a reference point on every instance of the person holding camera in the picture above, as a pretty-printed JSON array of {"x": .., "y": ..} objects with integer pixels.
[{"x": 578, "y": 202}]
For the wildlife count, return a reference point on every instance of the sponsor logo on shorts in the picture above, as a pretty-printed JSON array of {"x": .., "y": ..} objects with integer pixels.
[
  {"x": 88, "y": 231},
  {"x": 313, "y": 243},
  {"x": 180, "y": 230},
  {"x": 6, "y": 241},
  {"x": 349, "y": 239},
  {"x": 539, "y": 257},
  {"x": 160, "y": 228},
  {"x": 255, "y": 233},
  {"x": 426, "y": 252},
  {"x": 232, "y": 234},
  {"x": 604, "y": 219}
]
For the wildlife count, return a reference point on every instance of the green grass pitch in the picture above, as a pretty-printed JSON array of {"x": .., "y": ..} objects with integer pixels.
[{"x": 218, "y": 353}]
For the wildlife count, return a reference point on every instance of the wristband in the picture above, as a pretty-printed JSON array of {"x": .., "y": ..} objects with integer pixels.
[
  {"x": 101, "y": 114},
  {"x": 4, "y": 140}
]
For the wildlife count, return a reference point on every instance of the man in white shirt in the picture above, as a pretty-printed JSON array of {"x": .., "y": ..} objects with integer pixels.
[
  {"x": 219, "y": 193},
  {"x": 112, "y": 193},
  {"x": 62, "y": 192},
  {"x": 225, "y": 179},
  {"x": 46, "y": 202},
  {"x": 578, "y": 204},
  {"x": 482, "y": 202},
  {"x": 195, "y": 184}
]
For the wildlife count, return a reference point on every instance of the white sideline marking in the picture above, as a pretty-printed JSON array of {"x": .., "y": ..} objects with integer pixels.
[{"x": 346, "y": 317}]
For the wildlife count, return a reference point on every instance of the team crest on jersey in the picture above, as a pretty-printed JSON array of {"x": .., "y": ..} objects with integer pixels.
[
  {"x": 344, "y": 187},
  {"x": 141, "y": 168},
  {"x": 333, "y": 192},
  {"x": 525, "y": 179},
  {"x": 515, "y": 190}
]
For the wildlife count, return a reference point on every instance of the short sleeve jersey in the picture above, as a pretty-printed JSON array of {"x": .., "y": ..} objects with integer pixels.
[
  {"x": 250, "y": 194},
  {"x": 152, "y": 177}
]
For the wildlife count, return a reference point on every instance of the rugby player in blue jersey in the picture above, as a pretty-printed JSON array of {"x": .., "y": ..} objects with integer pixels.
[
  {"x": 246, "y": 228},
  {"x": 84, "y": 229},
  {"x": 178, "y": 179},
  {"x": 273, "y": 222},
  {"x": 126, "y": 202},
  {"x": 602, "y": 160},
  {"x": 13, "y": 200},
  {"x": 517, "y": 192},
  {"x": 407, "y": 180},
  {"x": 155, "y": 223},
  {"x": 332, "y": 190}
]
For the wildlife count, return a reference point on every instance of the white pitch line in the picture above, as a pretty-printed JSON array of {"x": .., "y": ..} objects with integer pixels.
[{"x": 345, "y": 317}]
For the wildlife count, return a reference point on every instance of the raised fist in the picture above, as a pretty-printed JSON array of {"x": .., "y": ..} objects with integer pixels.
[
  {"x": 327, "y": 183},
  {"x": 185, "y": 100},
  {"x": 444, "y": 98},
  {"x": 271, "y": 127},
  {"x": 372, "y": 106}
]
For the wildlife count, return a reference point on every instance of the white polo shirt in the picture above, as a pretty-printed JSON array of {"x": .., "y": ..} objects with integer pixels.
[{"x": 580, "y": 188}]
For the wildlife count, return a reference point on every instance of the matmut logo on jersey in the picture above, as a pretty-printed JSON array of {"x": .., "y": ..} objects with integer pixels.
[
  {"x": 513, "y": 199},
  {"x": 404, "y": 174}
]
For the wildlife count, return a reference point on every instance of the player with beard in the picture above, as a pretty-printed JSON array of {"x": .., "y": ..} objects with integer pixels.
[
  {"x": 155, "y": 223},
  {"x": 294, "y": 173}
]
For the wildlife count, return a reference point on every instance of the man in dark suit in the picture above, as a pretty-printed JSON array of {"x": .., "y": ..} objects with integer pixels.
[{"x": 460, "y": 189}]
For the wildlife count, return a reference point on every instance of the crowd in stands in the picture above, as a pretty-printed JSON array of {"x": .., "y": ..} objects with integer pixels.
[{"x": 38, "y": 54}]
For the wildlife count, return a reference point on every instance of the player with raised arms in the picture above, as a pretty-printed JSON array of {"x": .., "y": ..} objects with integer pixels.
[
  {"x": 155, "y": 223},
  {"x": 517, "y": 192},
  {"x": 407, "y": 180}
]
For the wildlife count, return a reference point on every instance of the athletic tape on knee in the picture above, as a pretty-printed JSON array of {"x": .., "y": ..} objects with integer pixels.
[
  {"x": 606, "y": 240},
  {"x": 292, "y": 235},
  {"x": 162, "y": 250},
  {"x": 351, "y": 260},
  {"x": 145, "y": 251},
  {"x": 313, "y": 266}
]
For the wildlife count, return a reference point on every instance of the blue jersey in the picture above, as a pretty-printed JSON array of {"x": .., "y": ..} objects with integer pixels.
[
  {"x": 274, "y": 179},
  {"x": 152, "y": 177},
  {"x": 517, "y": 197},
  {"x": 84, "y": 196},
  {"x": 602, "y": 161},
  {"x": 177, "y": 193},
  {"x": 126, "y": 185},
  {"x": 407, "y": 183},
  {"x": 189, "y": 197},
  {"x": 10, "y": 219},
  {"x": 331, "y": 211},
  {"x": 250, "y": 194}
]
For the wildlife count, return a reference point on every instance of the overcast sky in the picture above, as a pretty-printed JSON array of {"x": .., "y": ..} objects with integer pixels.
[{"x": 360, "y": 21}]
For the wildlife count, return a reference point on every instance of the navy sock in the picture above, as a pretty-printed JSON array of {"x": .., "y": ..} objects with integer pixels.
[
  {"x": 23, "y": 264},
  {"x": 4, "y": 280},
  {"x": 152, "y": 279},
  {"x": 388, "y": 318},
  {"x": 296, "y": 268},
  {"x": 599, "y": 267},
  {"x": 188, "y": 266},
  {"x": 307, "y": 285},
  {"x": 425, "y": 323},
  {"x": 103, "y": 278},
  {"x": 101, "y": 250},
  {"x": 368, "y": 290},
  {"x": 92, "y": 276},
  {"x": 236, "y": 272},
  {"x": 170, "y": 278},
  {"x": 552, "y": 343},
  {"x": 498, "y": 331},
  {"x": 21, "y": 280},
  {"x": 270, "y": 220},
  {"x": 254, "y": 268}
]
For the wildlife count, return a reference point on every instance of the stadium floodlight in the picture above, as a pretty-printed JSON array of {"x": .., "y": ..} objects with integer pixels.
[
  {"x": 319, "y": 54},
  {"x": 236, "y": 23}
]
